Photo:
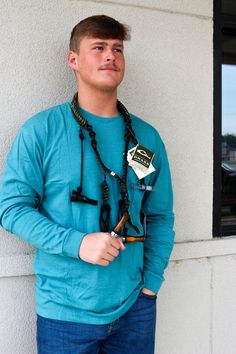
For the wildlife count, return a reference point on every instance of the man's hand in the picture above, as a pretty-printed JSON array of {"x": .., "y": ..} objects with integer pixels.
[
  {"x": 100, "y": 248},
  {"x": 148, "y": 292}
]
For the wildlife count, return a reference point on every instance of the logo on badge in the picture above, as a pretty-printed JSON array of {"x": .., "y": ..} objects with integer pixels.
[{"x": 140, "y": 159}]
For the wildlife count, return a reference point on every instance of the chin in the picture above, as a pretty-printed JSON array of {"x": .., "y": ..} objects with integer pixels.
[{"x": 108, "y": 88}]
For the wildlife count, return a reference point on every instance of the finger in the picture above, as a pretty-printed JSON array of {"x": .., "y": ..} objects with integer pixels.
[
  {"x": 122, "y": 246},
  {"x": 113, "y": 251},
  {"x": 108, "y": 257},
  {"x": 115, "y": 242},
  {"x": 103, "y": 262}
]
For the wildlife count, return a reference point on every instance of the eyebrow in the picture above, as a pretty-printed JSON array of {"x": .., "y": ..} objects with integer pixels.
[{"x": 106, "y": 44}]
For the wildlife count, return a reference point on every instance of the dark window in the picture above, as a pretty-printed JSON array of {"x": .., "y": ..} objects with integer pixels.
[{"x": 224, "y": 216}]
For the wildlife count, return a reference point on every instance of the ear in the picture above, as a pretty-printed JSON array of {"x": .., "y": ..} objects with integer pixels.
[{"x": 72, "y": 60}]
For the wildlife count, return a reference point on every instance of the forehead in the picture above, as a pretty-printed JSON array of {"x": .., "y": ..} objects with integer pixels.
[{"x": 87, "y": 41}]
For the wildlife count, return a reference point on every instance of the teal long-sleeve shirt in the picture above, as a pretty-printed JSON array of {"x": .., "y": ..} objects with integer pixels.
[{"x": 42, "y": 169}]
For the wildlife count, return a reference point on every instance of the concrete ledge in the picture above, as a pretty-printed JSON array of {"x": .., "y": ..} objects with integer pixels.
[
  {"x": 201, "y": 249},
  {"x": 19, "y": 265},
  {"x": 200, "y": 8}
]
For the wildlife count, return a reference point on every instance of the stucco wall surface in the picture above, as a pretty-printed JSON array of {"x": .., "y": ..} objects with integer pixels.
[
  {"x": 169, "y": 83},
  {"x": 197, "y": 308},
  {"x": 170, "y": 54},
  {"x": 17, "y": 317}
]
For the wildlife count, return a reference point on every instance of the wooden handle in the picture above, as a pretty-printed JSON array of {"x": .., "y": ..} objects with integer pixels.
[
  {"x": 134, "y": 239},
  {"x": 121, "y": 223}
]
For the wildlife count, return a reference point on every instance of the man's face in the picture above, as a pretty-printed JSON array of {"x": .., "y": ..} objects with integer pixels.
[{"x": 100, "y": 63}]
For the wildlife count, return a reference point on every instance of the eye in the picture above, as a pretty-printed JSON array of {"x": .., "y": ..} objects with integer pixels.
[
  {"x": 98, "y": 48},
  {"x": 118, "y": 50}
]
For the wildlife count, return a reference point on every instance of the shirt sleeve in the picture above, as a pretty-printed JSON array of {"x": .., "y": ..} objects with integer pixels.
[
  {"x": 158, "y": 209},
  {"x": 21, "y": 193}
]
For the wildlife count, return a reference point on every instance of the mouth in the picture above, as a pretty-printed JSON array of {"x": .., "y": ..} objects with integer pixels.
[{"x": 109, "y": 68}]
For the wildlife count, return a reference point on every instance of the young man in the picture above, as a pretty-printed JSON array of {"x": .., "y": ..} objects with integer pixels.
[{"x": 89, "y": 186}]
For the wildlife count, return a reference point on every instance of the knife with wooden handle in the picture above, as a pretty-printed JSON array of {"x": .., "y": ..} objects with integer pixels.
[{"x": 119, "y": 226}]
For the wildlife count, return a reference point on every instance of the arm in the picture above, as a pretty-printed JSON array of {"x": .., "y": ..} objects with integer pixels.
[
  {"x": 158, "y": 208},
  {"x": 21, "y": 194}
]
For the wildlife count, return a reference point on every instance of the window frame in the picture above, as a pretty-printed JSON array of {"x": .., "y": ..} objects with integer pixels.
[{"x": 228, "y": 22}]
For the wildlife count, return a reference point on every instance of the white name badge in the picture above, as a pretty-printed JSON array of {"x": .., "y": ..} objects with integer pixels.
[{"x": 140, "y": 159}]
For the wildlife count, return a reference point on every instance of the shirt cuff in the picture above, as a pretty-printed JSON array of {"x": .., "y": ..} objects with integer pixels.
[
  {"x": 152, "y": 281},
  {"x": 72, "y": 243}
]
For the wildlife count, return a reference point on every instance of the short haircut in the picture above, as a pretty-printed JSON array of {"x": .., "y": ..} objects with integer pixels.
[{"x": 99, "y": 26}]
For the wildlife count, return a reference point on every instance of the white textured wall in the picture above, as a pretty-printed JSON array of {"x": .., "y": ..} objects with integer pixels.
[
  {"x": 17, "y": 318},
  {"x": 169, "y": 83}
]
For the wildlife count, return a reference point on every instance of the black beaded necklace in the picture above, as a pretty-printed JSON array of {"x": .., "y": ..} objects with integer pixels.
[{"x": 77, "y": 195}]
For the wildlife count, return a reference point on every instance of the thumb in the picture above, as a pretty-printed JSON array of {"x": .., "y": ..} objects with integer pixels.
[{"x": 122, "y": 246}]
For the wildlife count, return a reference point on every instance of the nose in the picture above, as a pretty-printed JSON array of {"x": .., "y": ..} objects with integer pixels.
[{"x": 110, "y": 55}]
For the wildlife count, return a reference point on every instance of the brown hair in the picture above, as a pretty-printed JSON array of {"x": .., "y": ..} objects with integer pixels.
[{"x": 100, "y": 26}]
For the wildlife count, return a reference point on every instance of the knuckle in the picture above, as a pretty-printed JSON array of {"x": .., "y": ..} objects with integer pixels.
[
  {"x": 103, "y": 249},
  {"x": 108, "y": 240},
  {"x": 105, "y": 240}
]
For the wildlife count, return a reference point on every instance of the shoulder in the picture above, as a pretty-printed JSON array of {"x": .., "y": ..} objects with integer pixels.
[
  {"x": 42, "y": 128},
  {"x": 46, "y": 117}
]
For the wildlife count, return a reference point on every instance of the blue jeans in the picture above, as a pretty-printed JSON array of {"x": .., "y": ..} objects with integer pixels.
[{"x": 132, "y": 333}]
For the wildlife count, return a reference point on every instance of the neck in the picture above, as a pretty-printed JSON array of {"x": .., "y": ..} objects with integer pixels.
[{"x": 102, "y": 104}]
